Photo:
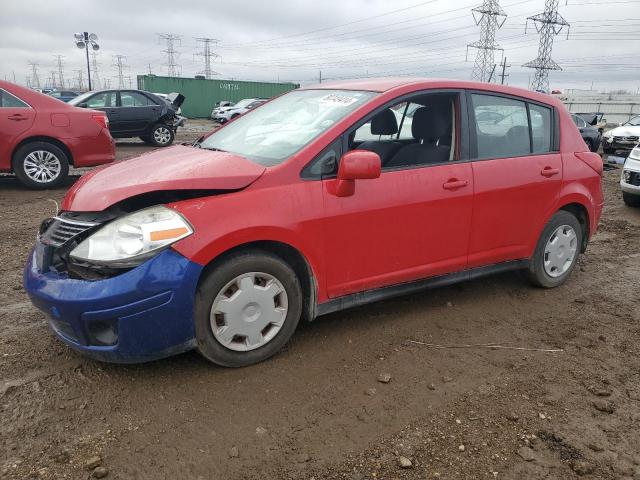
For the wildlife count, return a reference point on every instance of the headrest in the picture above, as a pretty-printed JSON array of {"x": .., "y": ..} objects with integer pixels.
[
  {"x": 431, "y": 122},
  {"x": 384, "y": 123}
]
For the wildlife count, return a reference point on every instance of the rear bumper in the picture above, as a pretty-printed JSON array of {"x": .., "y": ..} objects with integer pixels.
[
  {"x": 141, "y": 315},
  {"x": 92, "y": 151}
]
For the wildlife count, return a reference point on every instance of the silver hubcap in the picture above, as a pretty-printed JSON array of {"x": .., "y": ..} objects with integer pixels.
[
  {"x": 249, "y": 311},
  {"x": 162, "y": 135},
  {"x": 560, "y": 251},
  {"x": 42, "y": 166}
]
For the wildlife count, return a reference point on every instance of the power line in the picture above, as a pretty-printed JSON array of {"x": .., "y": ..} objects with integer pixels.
[
  {"x": 94, "y": 70},
  {"x": 119, "y": 64},
  {"x": 208, "y": 55},
  {"x": 171, "y": 40},
  {"x": 35, "y": 79},
  {"x": 490, "y": 16},
  {"x": 548, "y": 24},
  {"x": 60, "y": 65}
]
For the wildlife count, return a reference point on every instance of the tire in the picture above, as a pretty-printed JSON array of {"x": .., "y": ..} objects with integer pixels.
[
  {"x": 40, "y": 165},
  {"x": 540, "y": 275},
  {"x": 161, "y": 135},
  {"x": 631, "y": 200},
  {"x": 220, "y": 284},
  {"x": 234, "y": 116}
]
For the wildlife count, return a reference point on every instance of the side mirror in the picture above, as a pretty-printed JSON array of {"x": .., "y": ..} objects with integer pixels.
[
  {"x": 356, "y": 165},
  {"x": 83, "y": 105}
]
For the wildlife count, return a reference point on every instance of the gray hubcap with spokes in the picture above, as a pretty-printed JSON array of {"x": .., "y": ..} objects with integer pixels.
[
  {"x": 249, "y": 311},
  {"x": 42, "y": 166},
  {"x": 560, "y": 251},
  {"x": 162, "y": 135}
]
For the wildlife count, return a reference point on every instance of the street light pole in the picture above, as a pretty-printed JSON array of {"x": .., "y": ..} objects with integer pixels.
[
  {"x": 86, "y": 49},
  {"x": 83, "y": 40}
]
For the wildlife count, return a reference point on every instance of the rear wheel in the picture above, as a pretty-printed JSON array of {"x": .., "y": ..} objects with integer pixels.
[
  {"x": 557, "y": 251},
  {"x": 40, "y": 165},
  {"x": 631, "y": 200},
  {"x": 247, "y": 308},
  {"x": 162, "y": 135}
]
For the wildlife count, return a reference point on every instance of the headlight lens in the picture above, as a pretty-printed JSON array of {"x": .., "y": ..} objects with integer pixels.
[
  {"x": 131, "y": 239},
  {"x": 635, "y": 153}
]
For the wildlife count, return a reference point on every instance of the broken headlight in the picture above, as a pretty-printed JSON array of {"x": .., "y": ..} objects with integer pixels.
[{"x": 130, "y": 240}]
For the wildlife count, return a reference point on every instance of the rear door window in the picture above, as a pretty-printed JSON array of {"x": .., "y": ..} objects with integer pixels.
[
  {"x": 502, "y": 126},
  {"x": 7, "y": 100},
  {"x": 540, "y": 128},
  {"x": 133, "y": 99}
]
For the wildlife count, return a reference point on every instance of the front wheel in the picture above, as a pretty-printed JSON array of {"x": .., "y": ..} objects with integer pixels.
[
  {"x": 162, "y": 135},
  {"x": 557, "y": 251},
  {"x": 246, "y": 309},
  {"x": 631, "y": 200},
  {"x": 40, "y": 165}
]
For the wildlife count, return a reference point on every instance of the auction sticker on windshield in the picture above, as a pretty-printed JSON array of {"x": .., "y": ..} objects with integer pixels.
[{"x": 339, "y": 99}]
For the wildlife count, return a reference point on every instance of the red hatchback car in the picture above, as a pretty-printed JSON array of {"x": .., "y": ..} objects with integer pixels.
[
  {"x": 40, "y": 137},
  {"x": 325, "y": 198}
]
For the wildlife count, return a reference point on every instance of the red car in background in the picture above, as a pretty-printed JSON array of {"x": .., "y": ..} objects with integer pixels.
[{"x": 40, "y": 137}]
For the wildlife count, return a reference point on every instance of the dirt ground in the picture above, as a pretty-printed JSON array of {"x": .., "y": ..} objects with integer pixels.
[{"x": 318, "y": 410}]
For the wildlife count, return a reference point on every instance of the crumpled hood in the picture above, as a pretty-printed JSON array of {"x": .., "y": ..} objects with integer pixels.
[
  {"x": 626, "y": 131},
  {"x": 173, "y": 168}
]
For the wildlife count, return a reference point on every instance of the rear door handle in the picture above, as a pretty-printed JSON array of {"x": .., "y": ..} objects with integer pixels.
[
  {"x": 454, "y": 184},
  {"x": 17, "y": 117},
  {"x": 549, "y": 171}
]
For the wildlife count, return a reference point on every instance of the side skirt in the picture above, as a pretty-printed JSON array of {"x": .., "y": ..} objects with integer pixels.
[{"x": 370, "y": 296}]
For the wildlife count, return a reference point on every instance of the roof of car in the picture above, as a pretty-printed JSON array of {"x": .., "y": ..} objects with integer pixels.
[{"x": 389, "y": 83}]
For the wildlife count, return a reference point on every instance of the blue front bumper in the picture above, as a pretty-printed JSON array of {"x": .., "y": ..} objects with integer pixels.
[{"x": 140, "y": 315}]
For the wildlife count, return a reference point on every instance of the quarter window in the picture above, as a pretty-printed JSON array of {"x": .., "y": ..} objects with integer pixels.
[
  {"x": 502, "y": 126},
  {"x": 9, "y": 101}
]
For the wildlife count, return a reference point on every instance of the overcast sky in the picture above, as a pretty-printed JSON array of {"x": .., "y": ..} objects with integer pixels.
[{"x": 292, "y": 40}]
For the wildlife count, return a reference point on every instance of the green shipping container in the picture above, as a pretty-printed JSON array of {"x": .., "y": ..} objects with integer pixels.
[{"x": 201, "y": 95}]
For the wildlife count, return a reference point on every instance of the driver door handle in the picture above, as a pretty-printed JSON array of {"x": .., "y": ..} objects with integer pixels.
[
  {"x": 454, "y": 184},
  {"x": 17, "y": 117}
]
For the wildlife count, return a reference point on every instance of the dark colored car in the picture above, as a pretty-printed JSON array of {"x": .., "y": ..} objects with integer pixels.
[
  {"x": 40, "y": 137},
  {"x": 136, "y": 113},
  {"x": 64, "y": 95},
  {"x": 590, "y": 134}
]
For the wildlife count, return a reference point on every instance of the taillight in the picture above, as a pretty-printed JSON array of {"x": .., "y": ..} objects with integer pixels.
[{"x": 102, "y": 120}]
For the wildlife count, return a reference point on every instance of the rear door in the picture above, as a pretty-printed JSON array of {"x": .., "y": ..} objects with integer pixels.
[
  {"x": 137, "y": 112},
  {"x": 16, "y": 117},
  {"x": 517, "y": 175}
]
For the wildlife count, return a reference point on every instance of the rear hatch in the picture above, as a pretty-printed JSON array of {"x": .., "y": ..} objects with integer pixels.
[{"x": 176, "y": 99}]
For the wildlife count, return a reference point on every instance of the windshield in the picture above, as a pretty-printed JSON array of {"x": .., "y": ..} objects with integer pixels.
[
  {"x": 634, "y": 122},
  {"x": 276, "y": 130}
]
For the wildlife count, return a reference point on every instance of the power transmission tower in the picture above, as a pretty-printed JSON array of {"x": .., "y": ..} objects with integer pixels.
[
  {"x": 208, "y": 55},
  {"x": 118, "y": 63},
  {"x": 80, "y": 79},
  {"x": 490, "y": 16},
  {"x": 171, "y": 40},
  {"x": 60, "y": 65},
  {"x": 94, "y": 70},
  {"x": 52, "y": 79},
  {"x": 548, "y": 24},
  {"x": 35, "y": 80},
  {"x": 504, "y": 75}
]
